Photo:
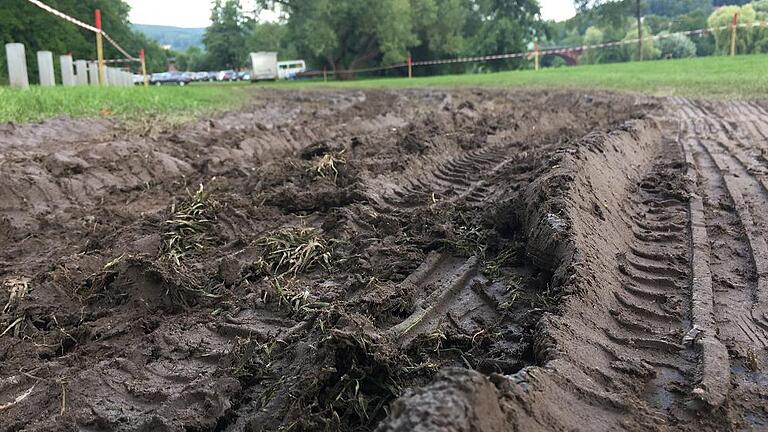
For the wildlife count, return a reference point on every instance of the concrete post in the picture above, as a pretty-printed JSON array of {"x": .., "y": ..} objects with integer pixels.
[
  {"x": 67, "y": 75},
  {"x": 82, "y": 72},
  {"x": 93, "y": 73},
  {"x": 17, "y": 65},
  {"x": 45, "y": 66}
]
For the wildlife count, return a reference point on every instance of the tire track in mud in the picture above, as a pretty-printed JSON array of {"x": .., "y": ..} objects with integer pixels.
[
  {"x": 454, "y": 178},
  {"x": 734, "y": 216},
  {"x": 652, "y": 312}
]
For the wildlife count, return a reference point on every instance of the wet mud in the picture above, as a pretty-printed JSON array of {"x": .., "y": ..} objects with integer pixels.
[{"x": 389, "y": 260}]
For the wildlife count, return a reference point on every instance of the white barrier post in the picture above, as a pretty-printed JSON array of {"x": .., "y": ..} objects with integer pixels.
[
  {"x": 17, "y": 65},
  {"x": 82, "y": 72},
  {"x": 45, "y": 66},
  {"x": 67, "y": 74},
  {"x": 93, "y": 73}
]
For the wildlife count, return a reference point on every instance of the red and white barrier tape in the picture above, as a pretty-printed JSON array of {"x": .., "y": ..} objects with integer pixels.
[{"x": 79, "y": 23}]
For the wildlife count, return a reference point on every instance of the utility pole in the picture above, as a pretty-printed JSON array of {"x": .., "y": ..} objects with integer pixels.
[{"x": 639, "y": 31}]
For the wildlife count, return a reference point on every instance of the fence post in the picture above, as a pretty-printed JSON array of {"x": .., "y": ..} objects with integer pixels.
[
  {"x": 82, "y": 72},
  {"x": 536, "y": 54},
  {"x": 17, "y": 65},
  {"x": 143, "y": 68},
  {"x": 93, "y": 73},
  {"x": 67, "y": 75},
  {"x": 100, "y": 48},
  {"x": 325, "y": 73},
  {"x": 410, "y": 66},
  {"x": 45, "y": 66},
  {"x": 733, "y": 34}
]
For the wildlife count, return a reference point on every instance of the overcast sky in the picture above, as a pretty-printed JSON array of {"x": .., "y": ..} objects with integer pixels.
[{"x": 196, "y": 13}]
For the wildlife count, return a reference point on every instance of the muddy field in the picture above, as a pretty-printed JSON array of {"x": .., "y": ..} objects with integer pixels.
[{"x": 392, "y": 261}]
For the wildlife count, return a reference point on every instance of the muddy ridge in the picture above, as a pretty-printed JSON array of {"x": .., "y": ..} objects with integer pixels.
[{"x": 391, "y": 261}]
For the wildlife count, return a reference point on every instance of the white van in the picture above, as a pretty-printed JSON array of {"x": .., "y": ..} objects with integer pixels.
[
  {"x": 264, "y": 65},
  {"x": 287, "y": 70}
]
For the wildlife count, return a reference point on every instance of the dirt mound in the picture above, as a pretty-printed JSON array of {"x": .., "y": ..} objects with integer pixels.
[{"x": 410, "y": 260}]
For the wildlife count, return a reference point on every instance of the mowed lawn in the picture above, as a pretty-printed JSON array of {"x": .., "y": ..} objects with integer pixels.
[
  {"x": 706, "y": 77},
  {"x": 740, "y": 77}
]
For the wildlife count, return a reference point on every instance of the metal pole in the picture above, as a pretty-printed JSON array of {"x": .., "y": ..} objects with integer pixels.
[
  {"x": 144, "y": 67},
  {"x": 100, "y": 49}
]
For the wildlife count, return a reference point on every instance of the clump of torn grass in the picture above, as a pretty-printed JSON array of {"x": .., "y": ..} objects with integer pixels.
[
  {"x": 327, "y": 165},
  {"x": 17, "y": 289},
  {"x": 293, "y": 251},
  {"x": 186, "y": 230}
]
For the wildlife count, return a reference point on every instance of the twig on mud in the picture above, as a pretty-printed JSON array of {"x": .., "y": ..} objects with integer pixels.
[
  {"x": 18, "y": 399},
  {"x": 13, "y": 324},
  {"x": 63, "y": 398},
  {"x": 185, "y": 231}
]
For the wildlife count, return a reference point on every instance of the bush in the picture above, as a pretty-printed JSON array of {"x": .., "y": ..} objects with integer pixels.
[{"x": 676, "y": 46}]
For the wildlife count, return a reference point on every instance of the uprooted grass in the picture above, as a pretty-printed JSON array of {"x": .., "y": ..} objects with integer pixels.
[
  {"x": 327, "y": 165},
  {"x": 186, "y": 230},
  {"x": 293, "y": 251}
]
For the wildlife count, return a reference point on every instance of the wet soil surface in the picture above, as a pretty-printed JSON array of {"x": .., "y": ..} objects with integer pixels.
[{"x": 391, "y": 261}]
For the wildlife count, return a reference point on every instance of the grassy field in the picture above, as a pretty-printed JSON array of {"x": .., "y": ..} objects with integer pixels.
[
  {"x": 706, "y": 77},
  {"x": 174, "y": 103},
  {"x": 709, "y": 77}
]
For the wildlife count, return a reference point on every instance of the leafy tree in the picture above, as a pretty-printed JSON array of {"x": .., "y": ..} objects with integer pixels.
[
  {"x": 224, "y": 39},
  {"x": 749, "y": 39},
  {"x": 676, "y": 46},
  {"x": 271, "y": 36},
  {"x": 616, "y": 11},
  {"x": 507, "y": 26},
  {"x": 593, "y": 36},
  {"x": 193, "y": 59},
  {"x": 705, "y": 43},
  {"x": 649, "y": 50}
]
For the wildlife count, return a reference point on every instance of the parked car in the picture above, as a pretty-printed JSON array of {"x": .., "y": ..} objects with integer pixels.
[
  {"x": 188, "y": 77},
  {"x": 176, "y": 78},
  {"x": 138, "y": 79},
  {"x": 244, "y": 76},
  {"x": 201, "y": 76},
  {"x": 228, "y": 75}
]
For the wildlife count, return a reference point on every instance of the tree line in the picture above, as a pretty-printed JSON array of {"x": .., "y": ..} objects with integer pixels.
[{"x": 350, "y": 34}]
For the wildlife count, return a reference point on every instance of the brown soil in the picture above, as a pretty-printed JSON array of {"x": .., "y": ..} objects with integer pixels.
[{"x": 392, "y": 261}]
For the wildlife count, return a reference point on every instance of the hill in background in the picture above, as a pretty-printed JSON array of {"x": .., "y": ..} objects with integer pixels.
[{"x": 178, "y": 38}]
